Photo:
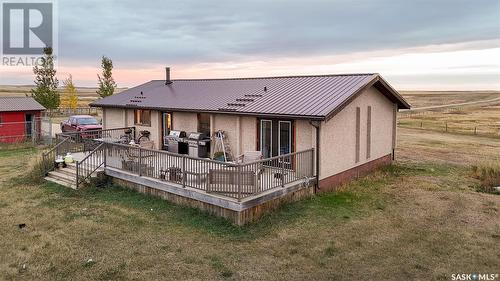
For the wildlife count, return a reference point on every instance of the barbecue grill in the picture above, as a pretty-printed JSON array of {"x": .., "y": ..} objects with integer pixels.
[
  {"x": 199, "y": 144},
  {"x": 176, "y": 142}
]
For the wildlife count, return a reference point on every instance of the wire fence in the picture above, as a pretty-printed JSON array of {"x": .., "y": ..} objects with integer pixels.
[
  {"x": 60, "y": 112},
  {"x": 451, "y": 127},
  {"x": 38, "y": 131}
]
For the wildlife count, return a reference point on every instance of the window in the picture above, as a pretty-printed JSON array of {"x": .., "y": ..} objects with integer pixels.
[
  {"x": 204, "y": 123},
  {"x": 142, "y": 117}
]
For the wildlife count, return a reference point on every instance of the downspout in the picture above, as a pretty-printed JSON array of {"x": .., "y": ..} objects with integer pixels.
[{"x": 316, "y": 125}]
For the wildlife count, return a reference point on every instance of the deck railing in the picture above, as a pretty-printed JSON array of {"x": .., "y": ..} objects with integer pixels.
[
  {"x": 62, "y": 147},
  {"x": 105, "y": 135},
  {"x": 90, "y": 163},
  {"x": 236, "y": 180}
]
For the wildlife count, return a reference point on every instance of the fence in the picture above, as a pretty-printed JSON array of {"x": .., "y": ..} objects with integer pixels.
[
  {"x": 451, "y": 127},
  {"x": 58, "y": 112},
  {"x": 236, "y": 180},
  {"x": 38, "y": 131}
]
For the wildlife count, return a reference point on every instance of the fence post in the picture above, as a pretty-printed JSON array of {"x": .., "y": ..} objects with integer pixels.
[
  {"x": 421, "y": 124},
  {"x": 183, "y": 171},
  {"x": 140, "y": 161},
  {"x": 475, "y": 130},
  {"x": 446, "y": 126}
]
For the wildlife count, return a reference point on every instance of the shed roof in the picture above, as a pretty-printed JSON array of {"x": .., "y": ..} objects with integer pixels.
[
  {"x": 19, "y": 104},
  {"x": 314, "y": 97}
]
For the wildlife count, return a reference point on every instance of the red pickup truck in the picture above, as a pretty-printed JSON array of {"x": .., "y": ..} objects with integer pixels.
[{"x": 77, "y": 123}]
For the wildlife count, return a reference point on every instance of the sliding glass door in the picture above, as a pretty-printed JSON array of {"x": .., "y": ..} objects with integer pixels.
[
  {"x": 266, "y": 137},
  {"x": 276, "y": 137}
]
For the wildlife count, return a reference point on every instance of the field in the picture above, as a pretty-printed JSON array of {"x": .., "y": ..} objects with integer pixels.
[
  {"x": 423, "y": 218},
  {"x": 85, "y": 94}
]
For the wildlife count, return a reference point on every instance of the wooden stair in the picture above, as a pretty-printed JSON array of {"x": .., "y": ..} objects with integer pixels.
[{"x": 63, "y": 176}]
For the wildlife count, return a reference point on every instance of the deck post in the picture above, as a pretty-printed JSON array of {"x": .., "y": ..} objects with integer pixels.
[
  {"x": 312, "y": 162},
  {"x": 282, "y": 171},
  {"x": 105, "y": 151},
  {"x": 238, "y": 181},
  {"x": 76, "y": 165},
  {"x": 183, "y": 171},
  {"x": 140, "y": 162}
]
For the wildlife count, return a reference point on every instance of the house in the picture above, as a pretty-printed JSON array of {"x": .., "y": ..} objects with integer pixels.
[
  {"x": 312, "y": 133},
  {"x": 350, "y": 120},
  {"x": 19, "y": 118}
]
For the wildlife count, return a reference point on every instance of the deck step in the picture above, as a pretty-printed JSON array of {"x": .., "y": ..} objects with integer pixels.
[
  {"x": 60, "y": 182},
  {"x": 67, "y": 171},
  {"x": 62, "y": 176}
]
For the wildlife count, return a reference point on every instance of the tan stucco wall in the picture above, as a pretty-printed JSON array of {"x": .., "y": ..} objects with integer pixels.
[
  {"x": 338, "y": 135},
  {"x": 228, "y": 124},
  {"x": 248, "y": 134},
  {"x": 185, "y": 121},
  {"x": 304, "y": 133},
  {"x": 113, "y": 118}
]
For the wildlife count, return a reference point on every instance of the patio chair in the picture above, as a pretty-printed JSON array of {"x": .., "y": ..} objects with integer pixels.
[
  {"x": 252, "y": 156},
  {"x": 249, "y": 156}
]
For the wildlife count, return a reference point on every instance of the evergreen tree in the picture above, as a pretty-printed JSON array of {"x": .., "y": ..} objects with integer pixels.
[
  {"x": 107, "y": 84},
  {"x": 46, "y": 81},
  {"x": 70, "y": 95}
]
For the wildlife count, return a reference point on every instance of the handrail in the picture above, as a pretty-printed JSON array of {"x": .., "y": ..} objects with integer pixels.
[
  {"x": 275, "y": 157},
  {"x": 52, "y": 151},
  {"x": 83, "y": 162},
  {"x": 56, "y": 146}
]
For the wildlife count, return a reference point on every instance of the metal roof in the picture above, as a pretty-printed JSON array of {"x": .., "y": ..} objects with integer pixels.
[
  {"x": 295, "y": 96},
  {"x": 19, "y": 104}
]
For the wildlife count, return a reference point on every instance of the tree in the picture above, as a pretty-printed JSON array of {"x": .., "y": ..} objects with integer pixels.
[
  {"x": 107, "y": 84},
  {"x": 70, "y": 95},
  {"x": 46, "y": 81}
]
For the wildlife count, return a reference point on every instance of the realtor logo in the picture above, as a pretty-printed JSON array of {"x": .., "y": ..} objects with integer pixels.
[{"x": 27, "y": 28}]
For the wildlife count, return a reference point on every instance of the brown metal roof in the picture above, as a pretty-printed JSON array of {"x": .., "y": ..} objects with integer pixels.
[
  {"x": 297, "y": 96},
  {"x": 19, "y": 104}
]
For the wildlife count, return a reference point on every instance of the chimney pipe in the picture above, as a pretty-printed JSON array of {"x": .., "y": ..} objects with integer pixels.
[{"x": 167, "y": 76}]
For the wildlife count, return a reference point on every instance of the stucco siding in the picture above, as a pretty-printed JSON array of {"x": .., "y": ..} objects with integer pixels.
[
  {"x": 338, "y": 135},
  {"x": 113, "y": 118},
  {"x": 248, "y": 134},
  {"x": 185, "y": 121},
  {"x": 228, "y": 124},
  {"x": 303, "y": 135}
]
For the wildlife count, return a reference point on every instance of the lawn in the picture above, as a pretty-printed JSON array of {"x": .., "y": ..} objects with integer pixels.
[{"x": 420, "y": 218}]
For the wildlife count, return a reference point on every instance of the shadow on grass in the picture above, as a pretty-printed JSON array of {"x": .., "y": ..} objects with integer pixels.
[{"x": 352, "y": 200}]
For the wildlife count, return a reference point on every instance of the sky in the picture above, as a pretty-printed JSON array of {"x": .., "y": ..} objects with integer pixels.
[{"x": 427, "y": 45}]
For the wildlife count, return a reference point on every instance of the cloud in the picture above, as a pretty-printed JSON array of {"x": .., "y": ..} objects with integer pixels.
[{"x": 191, "y": 31}]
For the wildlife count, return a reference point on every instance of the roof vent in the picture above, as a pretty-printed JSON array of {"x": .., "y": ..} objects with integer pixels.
[{"x": 167, "y": 76}]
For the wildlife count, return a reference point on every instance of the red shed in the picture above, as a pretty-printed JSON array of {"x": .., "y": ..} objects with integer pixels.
[{"x": 19, "y": 118}]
